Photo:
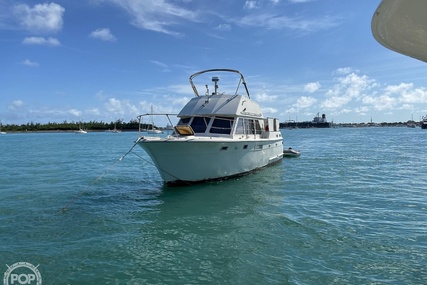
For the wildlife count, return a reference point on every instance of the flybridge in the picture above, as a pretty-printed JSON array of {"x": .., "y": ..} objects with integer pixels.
[{"x": 215, "y": 79}]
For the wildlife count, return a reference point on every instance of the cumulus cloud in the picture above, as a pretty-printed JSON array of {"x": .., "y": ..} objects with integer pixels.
[
  {"x": 305, "y": 102},
  {"x": 344, "y": 71},
  {"x": 407, "y": 93},
  {"x": 43, "y": 18},
  {"x": 349, "y": 87},
  {"x": 30, "y": 63},
  {"x": 312, "y": 87},
  {"x": 269, "y": 110},
  {"x": 223, "y": 27},
  {"x": 335, "y": 102},
  {"x": 41, "y": 41},
  {"x": 381, "y": 103},
  {"x": 93, "y": 111},
  {"x": 121, "y": 107},
  {"x": 16, "y": 104},
  {"x": 262, "y": 97},
  {"x": 103, "y": 34},
  {"x": 74, "y": 112},
  {"x": 250, "y": 4}
]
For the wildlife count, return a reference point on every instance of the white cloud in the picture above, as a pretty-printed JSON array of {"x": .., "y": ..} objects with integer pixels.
[
  {"x": 279, "y": 22},
  {"x": 156, "y": 16},
  {"x": 165, "y": 67},
  {"x": 348, "y": 88},
  {"x": 312, "y": 87},
  {"x": 41, "y": 41},
  {"x": 262, "y": 97},
  {"x": 16, "y": 104},
  {"x": 103, "y": 34},
  {"x": 121, "y": 107},
  {"x": 250, "y": 4},
  {"x": 223, "y": 27},
  {"x": 299, "y": 1},
  {"x": 305, "y": 102},
  {"x": 335, "y": 102},
  {"x": 269, "y": 110},
  {"x": 93, "y": 111},
  {"x": 344, "y": 71},
  {"x": 30, "y": 63},
  {"x": 41, "y": 17},
  {"x": 406, "y": 93},
  {"x": 381, "y": 103},
  {"x": 74, "y": 112}
]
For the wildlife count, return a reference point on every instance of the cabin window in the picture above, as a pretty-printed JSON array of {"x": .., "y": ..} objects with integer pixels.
[
  {"x": 249, "y": 127},
  {"x": 257, "y": 127},
  {"x": 184, "y": 121},
  {"x": 199, "y": 124},
  {"x": 222, "y": 126},
  {"x": 240, "y": 130}
]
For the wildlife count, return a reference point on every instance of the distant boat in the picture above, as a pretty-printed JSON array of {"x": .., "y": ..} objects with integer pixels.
[
  {"x": 219, "y": 135},
  {"x": 424, "y": 122},
  {"x": 153, "y": 129},
  {"x": 2, "y": 133},
  {"x": 317, "y": 122},
  {"x": 80, "y": 131},
  {"x": 115, "y": 130}
]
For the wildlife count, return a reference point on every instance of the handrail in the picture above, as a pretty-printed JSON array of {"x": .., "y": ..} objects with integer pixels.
[
  {"x": 151, "y": 114},
  {"x": 242, "y": 79}
]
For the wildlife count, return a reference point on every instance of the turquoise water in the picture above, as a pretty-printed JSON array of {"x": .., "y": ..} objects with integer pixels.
[{"x": 352, "y": 209}]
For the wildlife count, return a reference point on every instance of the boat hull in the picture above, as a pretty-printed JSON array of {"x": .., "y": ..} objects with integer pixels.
[{"x": 180, "y": 160}]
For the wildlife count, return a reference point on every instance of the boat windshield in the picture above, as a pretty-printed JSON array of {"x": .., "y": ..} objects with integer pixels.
[
  {"x": 200, "y": 124},
  {"x": 222, "y": 125}
]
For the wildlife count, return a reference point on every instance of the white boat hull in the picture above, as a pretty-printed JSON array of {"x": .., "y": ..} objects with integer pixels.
[{"x": 194, "y": 160}]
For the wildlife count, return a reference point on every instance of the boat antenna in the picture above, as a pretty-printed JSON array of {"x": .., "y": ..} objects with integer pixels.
[{"x": 215, "y": 80}]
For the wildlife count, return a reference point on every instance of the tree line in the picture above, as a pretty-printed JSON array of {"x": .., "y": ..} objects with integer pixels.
[{"x": 132, "y": 125}]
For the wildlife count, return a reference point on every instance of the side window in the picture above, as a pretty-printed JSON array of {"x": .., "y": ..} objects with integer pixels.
[
  {"x": 221, "y": 126},
  {"x": 199, "y": 124},
  {"x": 250, "y": 129},
  {"x": 239, "y": 128},
  {"x": 184, "y": 121},
  {"x": 257, "y": 127}
]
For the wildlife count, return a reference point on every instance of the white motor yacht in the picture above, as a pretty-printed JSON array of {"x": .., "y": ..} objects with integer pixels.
[{"x": 218, "y": 135}]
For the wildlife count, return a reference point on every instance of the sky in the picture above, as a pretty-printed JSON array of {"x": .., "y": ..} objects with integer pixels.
[{"x": 108, "y": 60}]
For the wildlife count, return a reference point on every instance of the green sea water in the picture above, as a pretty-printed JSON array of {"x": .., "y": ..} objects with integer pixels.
[{"x": 352, "y": 209}]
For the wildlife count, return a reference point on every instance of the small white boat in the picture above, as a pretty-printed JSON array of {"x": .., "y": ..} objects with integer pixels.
[
  {"x": 80, "y": 131},
  {"x": 291, "y": 152},
  {"x": 1, "y": 132},
  {"x": 115, "y": 130},
  {"x": 218, "y": 136}
]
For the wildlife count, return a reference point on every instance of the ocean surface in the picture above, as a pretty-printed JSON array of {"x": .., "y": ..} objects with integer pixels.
[{"x": 352, "y": 209}]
